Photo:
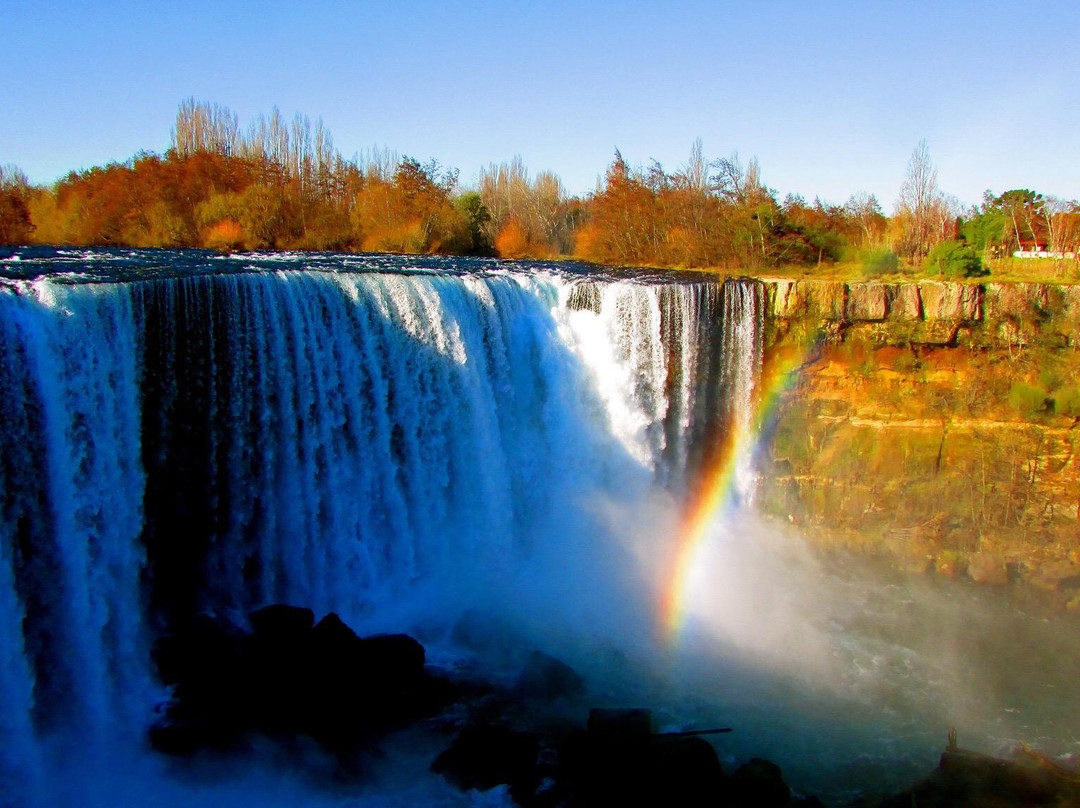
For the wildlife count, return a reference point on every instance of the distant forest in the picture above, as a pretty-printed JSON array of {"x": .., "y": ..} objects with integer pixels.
[{"x": 282, "y": 184}]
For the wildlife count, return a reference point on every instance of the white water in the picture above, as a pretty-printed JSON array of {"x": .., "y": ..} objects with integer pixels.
[
  {"x": 391, "y": 446},
  {"x": 406, "y": 447}
]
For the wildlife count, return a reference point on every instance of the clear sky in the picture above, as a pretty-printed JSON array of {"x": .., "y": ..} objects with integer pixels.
[{"x": 831, "y": 97}]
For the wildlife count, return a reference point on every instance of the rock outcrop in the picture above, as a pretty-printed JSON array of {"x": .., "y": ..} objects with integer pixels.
[
  {"x": 287, "y": 675},
  {"x": 933, "y": 422}
]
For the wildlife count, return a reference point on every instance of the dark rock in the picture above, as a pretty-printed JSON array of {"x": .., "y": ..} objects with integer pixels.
[
  {"x": 618, "y": 761},
  {"x": 548, "y": 678},
  {"x": 289, "y": 677},
  {"x": 632, "y": 724},
  {"x": 486, "y": 756},
  {"x": 490, "y": 635},
  {"x": 395, "y": 656},
  {"x": 684, "y": 771},
  {"x": 279, "y": 620},
  {"x": 196, "y": 647},
  {"x": 758, "y": 783},
  {"x": 966, "y": 779}
]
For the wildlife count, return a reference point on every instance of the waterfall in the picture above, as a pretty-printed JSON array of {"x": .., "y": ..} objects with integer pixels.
[{"x": 221, "y": 440}]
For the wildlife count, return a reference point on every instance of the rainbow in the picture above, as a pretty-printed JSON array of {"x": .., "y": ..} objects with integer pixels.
[{"x": 715, "y": 488}]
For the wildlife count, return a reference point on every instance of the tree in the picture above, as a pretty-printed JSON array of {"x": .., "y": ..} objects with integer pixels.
[
  {"x": 476, "y": 216},
  {"x": 204, "y": 127},
  {"x": 15, "y": 224},
  {"x": 865, "y": 210},
  {"x": 916, "y": 207},
  {"x": 538, "y": 208}
]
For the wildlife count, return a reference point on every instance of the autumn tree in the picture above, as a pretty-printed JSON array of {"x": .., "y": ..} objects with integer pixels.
[
  {"x": 623, "y": 225},
  {"x": 15, "y": 224},
  {"x": 532, "y": 218}
]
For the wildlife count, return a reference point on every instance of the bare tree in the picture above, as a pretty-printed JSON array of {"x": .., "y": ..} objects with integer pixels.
[
  {"x": 866, "y": 211},
  {"x": 918, "y": 203},
  {"x": 695, "y": 174},
  {"x": 204, "y": 127}
]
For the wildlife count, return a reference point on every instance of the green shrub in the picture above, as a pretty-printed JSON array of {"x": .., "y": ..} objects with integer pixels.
[
  {"x": 953, "y": 259},
  {"x": 880, "y": 262},
  {"x": 1067, "y": 402},
  {"x": 1027, "y": 399}
]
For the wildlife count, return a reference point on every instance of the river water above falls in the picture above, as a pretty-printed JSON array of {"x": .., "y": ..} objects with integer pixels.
[{"x": 422, "y": 444}]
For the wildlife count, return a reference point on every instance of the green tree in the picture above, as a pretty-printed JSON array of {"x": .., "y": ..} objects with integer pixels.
[
  {"x": 954, "y": 259},
  {"x": 476, "y": 216}
]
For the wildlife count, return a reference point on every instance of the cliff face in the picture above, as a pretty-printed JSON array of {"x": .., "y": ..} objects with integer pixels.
[{"x": 933, "y": 422}]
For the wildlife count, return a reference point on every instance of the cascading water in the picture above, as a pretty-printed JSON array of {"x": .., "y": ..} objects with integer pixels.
[
  {"x": 410, "y": 441},
  {"x": 180, "y": 438}
]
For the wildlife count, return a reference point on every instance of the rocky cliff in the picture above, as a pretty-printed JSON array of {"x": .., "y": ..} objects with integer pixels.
[{"x": 932, "y": 422}]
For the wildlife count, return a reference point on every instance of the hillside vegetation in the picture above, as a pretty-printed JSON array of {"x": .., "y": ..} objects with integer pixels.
[{"x": 281, "y": 183}]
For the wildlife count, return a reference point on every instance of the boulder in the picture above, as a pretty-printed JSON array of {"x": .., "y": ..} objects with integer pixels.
[
  {"x": 1057, "y": 576},
  {"x": 547, "y": 678},
  {"x": 967, "y": 779},
  {"x": 280, "y": 620},
  {"x": 984, "y": 568},
  {"x": 289, "y": 676},
  {"x": 618, "y": 760},
  {"x": 684, "y": 771},
  {"x": 485, "y": 756},
  {"x": 758, "y": 783}
]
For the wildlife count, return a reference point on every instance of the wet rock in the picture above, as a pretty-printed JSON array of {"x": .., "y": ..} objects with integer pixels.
[
  {"x": 685, "y": 771},
  {"x": 966, "y": 779},
  {"x": 202, "y": 646},
  {"x": 289, "y": 677},
  {"x": 545, "y": 677},
  {"x": 584, "y": 296},
  {"x": 619, "y": 761},
  {"x": 950, "y": 565},
  {"x": 984, "y": 568},
  {"x": 783, "y": 297},
  {"x": 280, "y": 620},
  {"x": 485, "y": 756},
  {"x": 758, "y": 783},
  {"x": 1057, "y": 576}
]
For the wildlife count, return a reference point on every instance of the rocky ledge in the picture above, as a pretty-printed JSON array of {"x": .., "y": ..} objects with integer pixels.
[{"x": 923, "y": 300}]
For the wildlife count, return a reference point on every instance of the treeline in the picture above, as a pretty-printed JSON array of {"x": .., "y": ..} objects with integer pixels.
[{"x": 281, "y": 184}]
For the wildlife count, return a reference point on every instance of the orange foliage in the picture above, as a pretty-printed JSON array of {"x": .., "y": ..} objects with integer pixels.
[
  {"x": 226, "y": 235},
  {"x": 512, "y": 241}
]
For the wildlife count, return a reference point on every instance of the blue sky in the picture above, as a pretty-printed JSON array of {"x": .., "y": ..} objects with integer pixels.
[{"x": 831, "y": 97}]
